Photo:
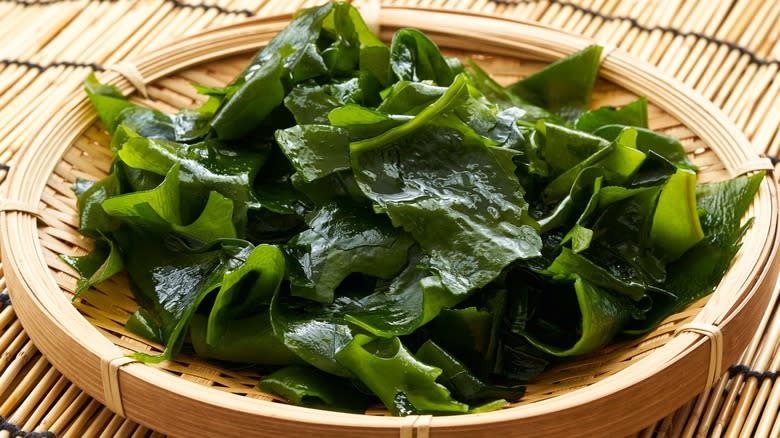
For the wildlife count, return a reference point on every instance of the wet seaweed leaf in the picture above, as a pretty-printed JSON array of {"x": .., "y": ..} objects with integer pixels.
[{"x": 392, "y": 199}]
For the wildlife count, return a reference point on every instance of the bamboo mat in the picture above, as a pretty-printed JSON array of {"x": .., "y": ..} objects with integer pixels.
[{"x": 728, "y": 50}]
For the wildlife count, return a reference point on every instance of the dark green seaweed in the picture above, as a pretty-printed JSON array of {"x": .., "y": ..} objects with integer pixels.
[{"x": 344, "y": 203}]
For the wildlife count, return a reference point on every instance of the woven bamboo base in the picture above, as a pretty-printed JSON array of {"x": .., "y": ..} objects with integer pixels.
[{"x": 34, "y": 396}]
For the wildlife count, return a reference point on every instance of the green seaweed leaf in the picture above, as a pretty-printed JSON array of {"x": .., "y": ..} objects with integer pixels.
[
  {"x": 99, "y": 265},
  {"x": 404, "y": 384},
  {"x": 632, "y": 114},
  {"x": 563, "y": 87},
  {"x": 342, "y": 240},
  {"x": 312, "y": 388}
]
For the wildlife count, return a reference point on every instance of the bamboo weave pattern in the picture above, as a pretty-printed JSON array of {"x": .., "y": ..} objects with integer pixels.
[{"x": 728, "y": 51}]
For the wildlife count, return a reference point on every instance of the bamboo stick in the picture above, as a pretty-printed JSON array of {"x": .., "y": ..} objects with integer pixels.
[
  {"x": 36, "y": 417},
  {"x": 35, "y": 396},
  {"x": 760, "y": 363}
]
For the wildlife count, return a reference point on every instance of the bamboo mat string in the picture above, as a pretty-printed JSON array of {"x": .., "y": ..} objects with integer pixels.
[
  {"x": 43, "y": 67},
  {"x": 15, "y": 431},
  {"x": 214, "y": 7},
  {"x": 43, "y": 2},
  {"x": 749, "y": 372}
]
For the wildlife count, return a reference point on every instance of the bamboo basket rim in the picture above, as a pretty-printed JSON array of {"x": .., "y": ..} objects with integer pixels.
[{"x": 49, "y": 317}]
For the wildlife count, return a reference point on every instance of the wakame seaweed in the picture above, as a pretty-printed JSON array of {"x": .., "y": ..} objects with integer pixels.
[{"x": 380, "y": 223}]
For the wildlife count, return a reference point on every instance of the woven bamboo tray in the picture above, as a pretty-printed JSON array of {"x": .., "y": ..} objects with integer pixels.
[{"x": 618, "y": 391}]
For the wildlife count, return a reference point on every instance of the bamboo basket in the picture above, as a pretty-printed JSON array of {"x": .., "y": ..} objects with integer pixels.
[{"x": 620, "y": 390}]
